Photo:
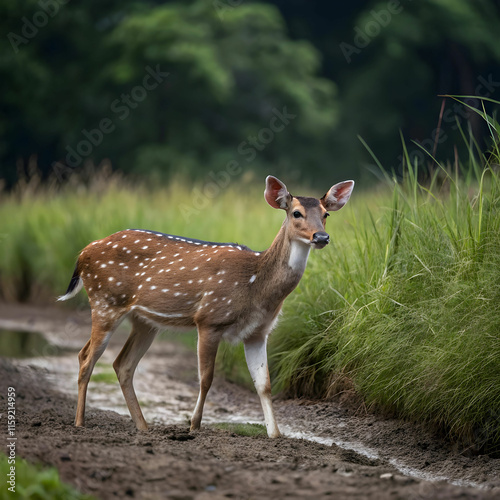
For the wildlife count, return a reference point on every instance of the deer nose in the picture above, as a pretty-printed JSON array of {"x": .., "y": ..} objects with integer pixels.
[{"x": 320, "y": 238}]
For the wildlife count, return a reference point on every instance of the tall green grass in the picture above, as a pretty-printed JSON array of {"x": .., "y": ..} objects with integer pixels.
[
  {"x": 407, "y": 307},
  {"x": 43, "y": 228}
]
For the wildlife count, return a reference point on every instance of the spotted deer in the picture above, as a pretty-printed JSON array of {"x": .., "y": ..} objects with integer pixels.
[{"x": 225, "y": 290}]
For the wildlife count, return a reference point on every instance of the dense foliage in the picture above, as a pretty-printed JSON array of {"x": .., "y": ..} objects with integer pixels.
[{"x": 195, "y": 87}]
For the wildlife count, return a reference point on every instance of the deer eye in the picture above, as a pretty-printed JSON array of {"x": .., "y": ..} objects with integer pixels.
[{"x": 297, "y": 214}]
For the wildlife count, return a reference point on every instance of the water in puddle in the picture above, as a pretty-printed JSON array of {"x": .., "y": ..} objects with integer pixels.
[{"x": 19, "y": 344}]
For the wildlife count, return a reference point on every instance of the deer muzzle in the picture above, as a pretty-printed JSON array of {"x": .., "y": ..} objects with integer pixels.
[{"x": 320, "y": 239}]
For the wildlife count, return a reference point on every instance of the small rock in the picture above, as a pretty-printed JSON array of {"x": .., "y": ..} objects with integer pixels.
[{"x": 387, "y": 475}]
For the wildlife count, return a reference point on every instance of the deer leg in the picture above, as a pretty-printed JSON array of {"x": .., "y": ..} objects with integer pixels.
[
  {"x": 256, "y": 356},
  {"x": 88, "y": 356},
  {"x": 140, "y": 339},
  {"x": 207, "y": 351}
]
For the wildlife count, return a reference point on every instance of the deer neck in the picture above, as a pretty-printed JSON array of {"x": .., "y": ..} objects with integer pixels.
[{"x": 284, "y": 263}]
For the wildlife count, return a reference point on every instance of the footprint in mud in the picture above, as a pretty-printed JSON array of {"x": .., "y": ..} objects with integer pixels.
[
  {"x": 355, "y": 458},
  {"x": 177, "y": 434}
]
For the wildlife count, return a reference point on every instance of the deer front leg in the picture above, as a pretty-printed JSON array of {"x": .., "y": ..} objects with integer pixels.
[
  {"x": 208, "y": 343},
  {"x": 256, "y": 356}
]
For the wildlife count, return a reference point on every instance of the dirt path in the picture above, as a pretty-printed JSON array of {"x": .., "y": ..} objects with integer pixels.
[{"x": 362, "y": 456}]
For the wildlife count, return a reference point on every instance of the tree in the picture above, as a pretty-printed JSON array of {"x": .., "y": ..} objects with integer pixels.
[{"x": 178, "y": 87}]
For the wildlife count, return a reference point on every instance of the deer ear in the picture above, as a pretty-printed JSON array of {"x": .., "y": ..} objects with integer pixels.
[
  {"x": 276, "y": 193},
  {"x": 337, "y": 196}
]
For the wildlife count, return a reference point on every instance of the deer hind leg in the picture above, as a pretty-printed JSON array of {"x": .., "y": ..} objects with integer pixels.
[
  {"x": 140, "y": 339},
  {"x": 102, "y": 329},
  {"x": 256, "y": 356},
  {"x": 207, "y": 351}
]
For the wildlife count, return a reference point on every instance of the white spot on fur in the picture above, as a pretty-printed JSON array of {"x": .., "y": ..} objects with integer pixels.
[{"x": 252, "y": 279}]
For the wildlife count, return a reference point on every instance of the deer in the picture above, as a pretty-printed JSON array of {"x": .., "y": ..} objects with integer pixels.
[{"x": 225, "y": 290}]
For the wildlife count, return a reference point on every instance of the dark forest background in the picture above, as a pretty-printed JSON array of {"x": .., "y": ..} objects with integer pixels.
[{"x": 196, "y": 88}]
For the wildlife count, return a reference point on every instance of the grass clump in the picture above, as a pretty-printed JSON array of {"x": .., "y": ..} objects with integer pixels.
[
  {"x": 104, "y": 377},
  {"x": 37, "y": 483},
  {"x": 407, "y": 306},
  {"x": 250, "y": 430},
  {"x": 104, "y": 374}
]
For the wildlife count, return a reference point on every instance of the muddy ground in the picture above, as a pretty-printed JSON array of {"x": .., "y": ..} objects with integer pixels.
[{"x": 356, "y": 455}]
